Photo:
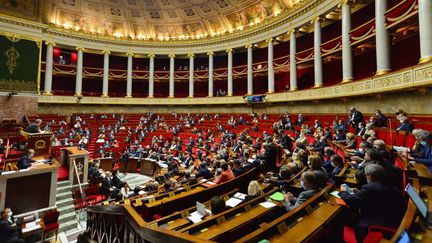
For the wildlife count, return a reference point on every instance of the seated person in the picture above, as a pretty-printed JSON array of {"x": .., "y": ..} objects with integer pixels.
[
  {"x": 9, "y": 232},
  {"x": 238, "y": 169},
  {"x": 310, "y": 186},
  {"x": 107, "y": 187},
  {"x": 26, "y": 160},
  {"x": 2, "y": 147},
  {"x": 377, "y": 202},
  {"x": 315, "y": 166},
  {"x": 226, "y": 174},
  {"x": 254, "y": 190},
  {"x": 203, "y": 172},
  {"x": 426, "y": 159},
  {"x": 217, "y": 205},
  {"x": 34, "y": 127},
  {"x": 118, "y": 183},
  {"x": 93, "y": 172},
  {"x": 338, "y": 164}
]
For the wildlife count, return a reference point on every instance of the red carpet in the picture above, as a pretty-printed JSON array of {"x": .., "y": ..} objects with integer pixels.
[{"x": 63, "y": 173}]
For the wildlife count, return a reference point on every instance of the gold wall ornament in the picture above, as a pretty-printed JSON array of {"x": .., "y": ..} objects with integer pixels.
[
  {"x": 12, "y": 56},
  {"x": 13, "y": 38},
  {"x": 40, "y": 144}
]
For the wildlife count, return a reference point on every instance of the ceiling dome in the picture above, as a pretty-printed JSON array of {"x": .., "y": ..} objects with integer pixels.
[{"x": 151, "y": 19}]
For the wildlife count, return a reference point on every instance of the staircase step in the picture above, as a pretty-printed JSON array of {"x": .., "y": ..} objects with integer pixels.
[
  {"x": 63, "y": 189},
  {"x": 68, "y": 226},
  {"x": 63, "y": 195},
  {"x": 62, "y": 183},
  {"x": 64, "y": 202},
  {"x": 66, "y": 209},
  {"x": 67, "y": 217}
]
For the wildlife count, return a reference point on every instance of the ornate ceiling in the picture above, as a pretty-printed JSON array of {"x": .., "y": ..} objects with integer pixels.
[{"x": 151, "y": 19}]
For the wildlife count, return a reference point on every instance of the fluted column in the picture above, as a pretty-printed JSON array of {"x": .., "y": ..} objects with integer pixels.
[
  {"x": 210, "y": 74},
  {"x": 105, "y": 82},
  {"x": 382, "y": 38},
  {"x": 79, "y": 72},
  {"x": 171, "y": 76},
  {"x": 49, "y": 68},
  {"x": 249, "y": 70},
  {"x": 151, "y": 75},
  {"x": 129, "y": 75},
  {"x": 347, "y": 61},
  {"x": 293, "y": 62},
  {"x": 191, "y": 74},
  {"x": 230, "y": 72},
  {"x": 270, "y": 88},
  {"x": 317, "y": 53},
  {"x": 425, "y": 23}
]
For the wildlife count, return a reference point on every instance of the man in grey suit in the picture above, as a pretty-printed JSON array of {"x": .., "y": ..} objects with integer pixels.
[{"x": 309, "y": 184}]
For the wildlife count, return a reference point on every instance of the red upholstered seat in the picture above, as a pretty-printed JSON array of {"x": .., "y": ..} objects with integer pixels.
[
  {"x": 50, "y": 220},
  {"x": 51, "y": 227}
]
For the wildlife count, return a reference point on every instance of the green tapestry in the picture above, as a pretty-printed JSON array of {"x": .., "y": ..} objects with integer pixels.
[{"x": 19, "y": 64}]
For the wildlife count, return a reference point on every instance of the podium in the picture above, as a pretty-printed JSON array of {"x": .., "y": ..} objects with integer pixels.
[
  {"x": 39, "y": 142},
  {"x": 69, "y": 155}
]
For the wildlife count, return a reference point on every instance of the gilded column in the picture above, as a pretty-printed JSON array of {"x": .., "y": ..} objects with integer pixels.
[
  {"x": 79, "y": 72},
  {"x": 270, "y": 69},
  {"x": 191, "y": 74},
  {"x": 129, "y": 75},
  {"x": 171, "y": 76},
  {"x": 210, "y": 74},
  {"x": 249, "y": 70},
  {"x": 317, "y": 53},
  {"x": 293, "y": 62},
  {"x": 347, "y": 61},
  {"x": 151, "y": 75},
  {"x": 49, "y": 68},
  {"x": 105, "y": 84},
  {"x": 425, "y": 23},
  {"x": 382, "y": 38},
  {"x": 230, "y": 72}
]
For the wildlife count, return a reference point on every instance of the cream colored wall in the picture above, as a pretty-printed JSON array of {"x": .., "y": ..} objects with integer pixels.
[{"x": 413, "y": 102}]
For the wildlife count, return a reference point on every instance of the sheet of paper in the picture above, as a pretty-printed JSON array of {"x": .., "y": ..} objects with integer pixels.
[
  {"x": 232, "y": 202},
  {"x": 30, "y": 224},
  {"x": 28, "y": 229},
  {"x": 267, "y": 204},
  {"x": 335, "y": 194},
  {"x": 194, "y": 218},
  {"x": 240, "y": 195}
]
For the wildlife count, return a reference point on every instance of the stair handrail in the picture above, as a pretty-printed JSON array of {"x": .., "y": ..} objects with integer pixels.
[{"x": 77, "y": 176}]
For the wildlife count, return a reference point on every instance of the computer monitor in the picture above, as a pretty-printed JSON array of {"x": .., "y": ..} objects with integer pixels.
[
  {"x": 421, "y": 206},
  {"x": 201, "y": 208}
]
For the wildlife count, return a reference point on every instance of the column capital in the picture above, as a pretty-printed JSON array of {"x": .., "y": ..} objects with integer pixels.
[
  {"x": 80, "y": 48},
  {"x": 191, "y": 55},
  {"x": 106, "y": 52},
  {"x": 344, "y": 2},
  {"x": 171, "y": 55},
  {"x": 50, "y": 43},
  {"x": 230, "y": 50},
  {"x": 151, "y": 55},
  {"x": 210, "y": 53},
  {"x": 248, "y": 46},
  {"x": 317, "y": 19},
  {"x": 269, "y": 40},
  {"x": 292, "y": 31},
  {"x": 130, "y": 54}
]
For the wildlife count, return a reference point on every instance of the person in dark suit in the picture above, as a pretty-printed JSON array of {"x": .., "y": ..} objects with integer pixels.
[
  {"x": 238, "y": 169},
  {"x": 34, "y": 127},
  {"x": 107, "y": 187},
  {"x": 118, "y": 183},
  {"x": 355, "y": 118},
  {"x": 376, "y": 203},
  {"x": 309, "y": 184},
  {"x": 204, "y": 172},
  {"x": 26, "y": 160},
  {"x": 270, "y": 155},
  {"x": 9, "y": 232},
  {"x": 285, "y": 141},
  {"x": 337, "y": 163}
]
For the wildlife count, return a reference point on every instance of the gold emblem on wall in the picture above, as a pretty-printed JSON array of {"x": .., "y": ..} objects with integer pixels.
[
  {"x": 12, "y": 57},
  {"x": 40, "y": 144}
]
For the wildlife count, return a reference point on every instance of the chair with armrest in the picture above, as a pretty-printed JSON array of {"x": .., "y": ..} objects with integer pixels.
[
  {"x": 377, "y": 233},
  {"x": 50, "y": 220}
]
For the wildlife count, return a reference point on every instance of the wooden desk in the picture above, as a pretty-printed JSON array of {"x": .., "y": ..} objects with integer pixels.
[
  {"x": 350, "y": 178},
  {"x": 18, "y": 187},
  {"x": 33, "y": 231},
  {"x": 310, "y": 224},
  {"x": 218, "y": 229},
  {"x": 175, "y": 197},
  {"x": 81, "y": 157}
]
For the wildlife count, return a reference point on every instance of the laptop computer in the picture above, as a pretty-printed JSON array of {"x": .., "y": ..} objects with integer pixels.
[
  {"x": 200, "y": 213},
  {"x": 420, "y": 204}
]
